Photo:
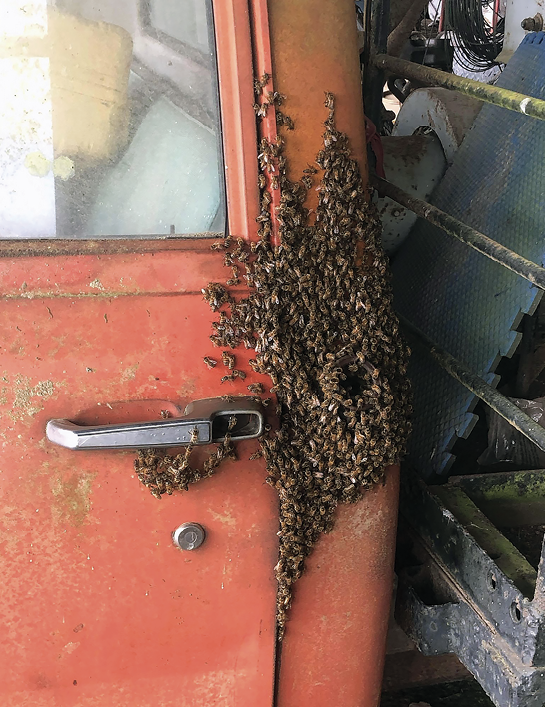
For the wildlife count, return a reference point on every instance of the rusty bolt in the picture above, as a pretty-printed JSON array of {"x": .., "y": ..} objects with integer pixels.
[{"x": 532, "y": 24}]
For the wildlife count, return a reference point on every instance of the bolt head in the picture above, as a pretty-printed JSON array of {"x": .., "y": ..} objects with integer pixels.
[{"x": 533, "y": 24}]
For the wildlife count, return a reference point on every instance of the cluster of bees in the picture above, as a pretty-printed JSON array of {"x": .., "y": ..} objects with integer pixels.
[
  {"x": 320, "y": 318},
  {"x": 163, "y": 473}
]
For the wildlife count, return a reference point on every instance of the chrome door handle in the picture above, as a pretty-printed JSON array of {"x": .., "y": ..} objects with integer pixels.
[{"x": 210, "y": 418}]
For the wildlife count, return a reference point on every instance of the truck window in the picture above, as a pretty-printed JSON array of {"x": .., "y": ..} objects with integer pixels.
[{"x": 109, "y": 119}]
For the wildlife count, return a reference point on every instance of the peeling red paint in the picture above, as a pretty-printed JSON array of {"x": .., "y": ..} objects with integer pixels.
[
  {"x": 82, "y": 542},
  {"x": 117, "y": 275}
]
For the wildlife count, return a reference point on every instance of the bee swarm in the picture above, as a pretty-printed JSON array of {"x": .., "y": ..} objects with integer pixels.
[{"x": 321, "y": 321}]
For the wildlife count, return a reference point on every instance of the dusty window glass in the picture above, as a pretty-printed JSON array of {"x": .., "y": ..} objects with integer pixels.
[{"x": 109, "y": 119}]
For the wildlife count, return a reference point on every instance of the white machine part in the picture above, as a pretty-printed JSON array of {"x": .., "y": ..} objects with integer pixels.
[
  {"x": 447, "y": 113},
  {"x": 515, "y": 12},
  {"x": 416, "y": 164}
]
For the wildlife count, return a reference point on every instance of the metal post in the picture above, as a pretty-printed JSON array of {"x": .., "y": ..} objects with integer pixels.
[
  {"x": 498, "y": 402},
  {"x": 481, "y": 243},
  {"x": 518, "y": 102},
  {"x": 327, "y": 659},
  {"x": 377, "y": 21}
]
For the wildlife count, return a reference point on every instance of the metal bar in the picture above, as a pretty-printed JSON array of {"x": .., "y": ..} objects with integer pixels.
[
  {"x": 377, "y": 19},
  {"x": 518, "y": 102},
  {"x": 498, "y": 402},
  {"x": 481, "y": 243},
  {"x": 456, "y": 627}
]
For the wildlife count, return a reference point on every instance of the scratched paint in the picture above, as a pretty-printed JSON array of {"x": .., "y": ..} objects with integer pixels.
[
  {"x": 71, "y": 495},
  {"x": 29, "y": 399},
  {"x": 93, "y": 548},
  {"x": 129, "y": 373},
  {"x": 96, "y": 284},
  {"x": 225, "y": 517}
]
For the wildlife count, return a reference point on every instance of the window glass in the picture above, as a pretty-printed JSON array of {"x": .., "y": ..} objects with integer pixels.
[
  {"x": 109, "y": 121},
  {"x": 184, "y": 21}
]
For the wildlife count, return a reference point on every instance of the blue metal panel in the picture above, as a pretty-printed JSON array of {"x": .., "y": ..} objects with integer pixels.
[{"x": 463, "y": 301}]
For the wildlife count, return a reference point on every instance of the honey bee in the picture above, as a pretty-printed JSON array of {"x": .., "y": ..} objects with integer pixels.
[
  {"x": 234, "y": 280},
  {"x": 256, "y": 388},
  {"x": 210, "y": 362},
  {"x": 284, "y": 120},
  {"x": 261, "y": 109},
  {"x": 259, "y": 84},
  {"x": 216, "y": 295},
  {"x": 275, "y": 98},
  {"x": 254, "y": 365},
  {"x": 232, "y": 423},
  {"x": 228, "y": 359}
]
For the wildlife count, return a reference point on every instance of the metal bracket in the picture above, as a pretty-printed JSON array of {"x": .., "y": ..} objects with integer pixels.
[{"x": 467, "y": 590}]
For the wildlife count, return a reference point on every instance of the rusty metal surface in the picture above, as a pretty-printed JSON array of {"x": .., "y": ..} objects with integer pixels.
[
  {"x": 464, "y": 589},
  {"x": 94, "y": 590},
  {"x": 411, "y": 668},
  {"x": 54, "y": 246},
  {"x": 323, "y": 43},
  {"x": 333, "y": 651},
  {"x": 512, "y": 100},
  {"x": 99, "y": 607},
  {"x": 170, "y": 272},
  {"x": 334, "y": 648}
]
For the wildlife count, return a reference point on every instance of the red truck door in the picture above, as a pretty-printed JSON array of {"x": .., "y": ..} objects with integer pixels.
[{"x": 111, "y": 189}]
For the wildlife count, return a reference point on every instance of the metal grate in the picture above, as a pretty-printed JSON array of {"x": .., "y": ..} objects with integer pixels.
[{"x": 467, "y": 304}]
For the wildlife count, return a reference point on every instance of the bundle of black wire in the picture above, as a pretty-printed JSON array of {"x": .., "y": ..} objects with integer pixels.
[{"x": 479, "y": 43}]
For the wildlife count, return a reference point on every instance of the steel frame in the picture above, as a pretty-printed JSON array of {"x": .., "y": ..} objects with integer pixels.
[
  {"x": 465, "y": 589},
  {"x": 453, "y": 597}
]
